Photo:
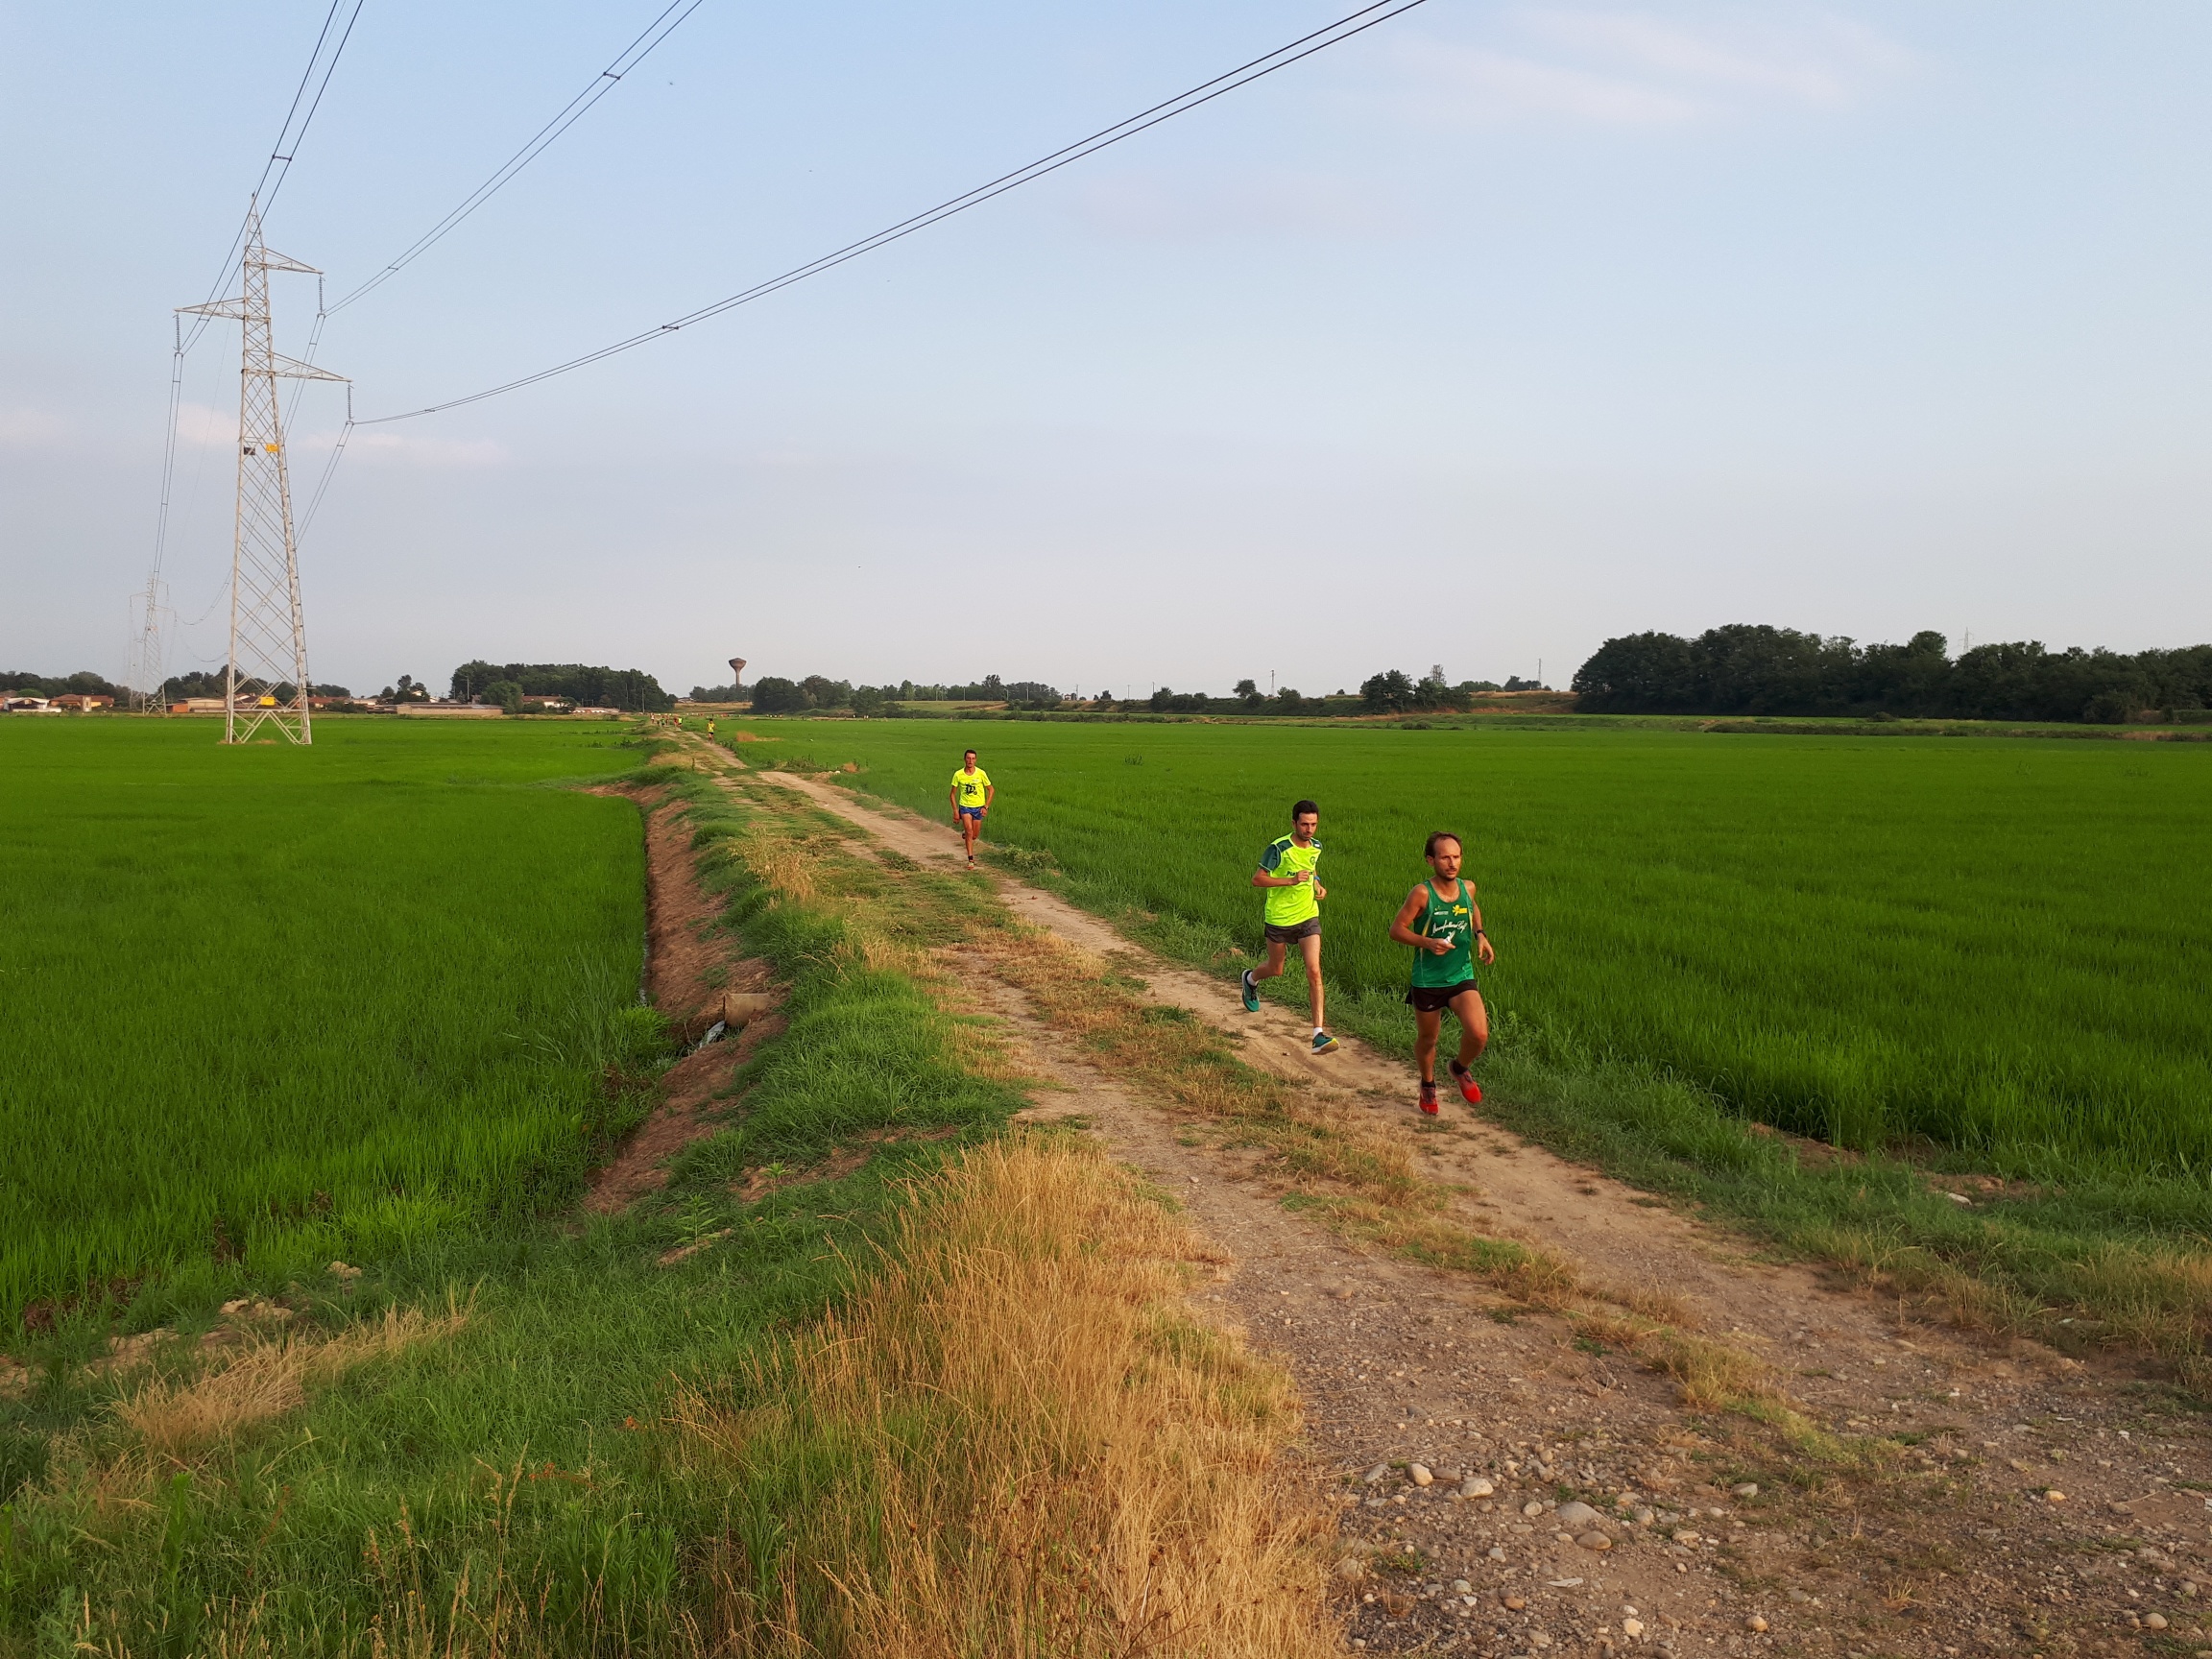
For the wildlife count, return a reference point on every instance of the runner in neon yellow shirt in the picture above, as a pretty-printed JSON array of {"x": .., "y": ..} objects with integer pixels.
[
  {"x": 973, "y": 793},
  {"x": 1289, "y": 874}
]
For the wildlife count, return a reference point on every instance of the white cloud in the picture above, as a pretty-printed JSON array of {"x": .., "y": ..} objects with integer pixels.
[
  {"x": 1616, "y": 68},
  {"x": 204, "y": 426},
  {"x": 22, "y": 427},
  {"x": 1804, "y": 57},
  {"x": 408, "y": 449},
  {"x": 201, "y": 426},
  {"x": 1306, "y": 205},
  {"x": 1463, "y": 86}
]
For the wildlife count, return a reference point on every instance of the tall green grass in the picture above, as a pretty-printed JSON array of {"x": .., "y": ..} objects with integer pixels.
[
  {"x": 266, "y": 1007},
  {"x": 517, "y": 1486},
  {"x": 2003, "y": 947}
]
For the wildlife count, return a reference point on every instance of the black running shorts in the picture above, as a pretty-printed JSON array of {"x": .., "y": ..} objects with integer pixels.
[
  {"x": 1289, "y": 933},
  {"x": 1434, "y": 999}
]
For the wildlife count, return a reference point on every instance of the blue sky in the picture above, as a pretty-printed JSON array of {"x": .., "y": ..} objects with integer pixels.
[{"x": 1502, "y": 331}]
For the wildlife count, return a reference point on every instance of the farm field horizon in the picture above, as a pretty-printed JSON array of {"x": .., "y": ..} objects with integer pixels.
[
  {"x": 1996, "y": 947},
  {"x": 271, "y": 1005}
]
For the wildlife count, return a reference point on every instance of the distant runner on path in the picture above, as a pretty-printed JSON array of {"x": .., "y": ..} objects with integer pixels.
[
  {"x": 973, "y": 793},
  {"x": 1443, "y": 924},
  {"x": 1289, "y": 871}
]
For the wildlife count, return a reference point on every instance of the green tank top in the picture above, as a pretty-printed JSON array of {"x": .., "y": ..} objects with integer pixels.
[{"x": 1453, "y": 920}]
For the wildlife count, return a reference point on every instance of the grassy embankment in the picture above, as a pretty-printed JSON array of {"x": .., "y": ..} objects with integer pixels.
[
  {"x": 845, "y": 1415},
  {"x": 1970, "y": 959}
]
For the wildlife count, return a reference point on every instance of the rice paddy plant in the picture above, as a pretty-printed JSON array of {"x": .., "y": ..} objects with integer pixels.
[
  {"x": 936, "y": 1389},
  {"x": 267, "y": 1006},
  {"x": 2003, "y": 947}
]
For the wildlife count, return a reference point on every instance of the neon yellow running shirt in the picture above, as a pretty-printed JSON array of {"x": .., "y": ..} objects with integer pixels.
[
  {"x": 1287, "y": 906},
  {"x": 970, "y": 785}
]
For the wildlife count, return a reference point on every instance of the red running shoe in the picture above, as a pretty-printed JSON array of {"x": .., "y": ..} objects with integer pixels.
[
  {"x": 1470, "y": 1090},
  {"x": 1428, "y": 1099}
]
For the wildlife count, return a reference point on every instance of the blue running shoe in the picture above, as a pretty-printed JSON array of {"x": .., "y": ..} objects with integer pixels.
[
  {"x": 1251, "y": 992},
  {"x": 1324, "y": 1043}
]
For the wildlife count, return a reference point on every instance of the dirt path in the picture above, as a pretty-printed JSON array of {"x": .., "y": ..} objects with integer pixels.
[{"x": 1949, "y": 1544}]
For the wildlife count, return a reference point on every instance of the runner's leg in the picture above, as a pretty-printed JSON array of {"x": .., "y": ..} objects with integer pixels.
[
  {"x": 1274, "y": 965},
  {"x": 1474, "y": 1027},
  {"x": 1427, "y": 1029},
  {"x": 1309, "y": 948}
]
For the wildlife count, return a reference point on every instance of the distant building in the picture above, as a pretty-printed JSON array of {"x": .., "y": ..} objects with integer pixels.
[
  {"x": 79, "y": 701},
  {"x": 27, "y": 706},
  {"x": 452, "y": 711}
]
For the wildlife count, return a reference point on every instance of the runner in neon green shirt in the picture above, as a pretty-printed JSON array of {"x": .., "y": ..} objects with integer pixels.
[
  {"x": 1289, "y": 874},
  {"x": 973, "y": 793},
  {"x": 1443, "y": 924}
]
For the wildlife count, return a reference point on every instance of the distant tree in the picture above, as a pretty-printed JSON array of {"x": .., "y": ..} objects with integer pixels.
[
  {"x": 868, "y": 700},
  {"x": 82, "y": 684},
  {"x": 1760, "y": 670},
  {"x": 1389, "y": 692},
  {"x": 1247, "y": 689},
  {"x": 1638, "y": 674},
  {"x": 507, "y": 693},
  {"x": 772, "y": 694},
  {"x": 627, "y": 688},
  {"x": 827, "y": 693}
]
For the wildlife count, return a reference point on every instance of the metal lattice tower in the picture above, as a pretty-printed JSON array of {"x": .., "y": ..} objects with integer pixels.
[{"x": 268, "y": 630}]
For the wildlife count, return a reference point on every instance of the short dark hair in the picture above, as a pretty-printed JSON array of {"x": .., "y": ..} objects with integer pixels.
[
  {"x": 965, "y": 752},
  {"x": 1302, "y": 808},
  {"x": 1436, "y": 836}
]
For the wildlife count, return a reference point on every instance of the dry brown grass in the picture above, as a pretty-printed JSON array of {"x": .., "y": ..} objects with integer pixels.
[
  {"x": 1017, "y": 1441},
  {"x": 175, "y": 1418}
]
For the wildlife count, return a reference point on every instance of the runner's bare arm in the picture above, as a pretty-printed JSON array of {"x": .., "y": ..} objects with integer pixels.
[
  {"x": 1261, "y": 878},
  {"x": 1402, "y": 926},
  {"x": 1482, "y": 952}
]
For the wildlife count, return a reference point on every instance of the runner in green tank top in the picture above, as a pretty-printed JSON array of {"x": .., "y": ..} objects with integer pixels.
[{"x": 1443, "y": 924}]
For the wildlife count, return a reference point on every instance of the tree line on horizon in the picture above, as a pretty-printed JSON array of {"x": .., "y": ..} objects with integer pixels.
[
  {"x": 1389, "y": 692},
  {"x": 511, "y": 684},
  {"x": 1749, "y": 668}
]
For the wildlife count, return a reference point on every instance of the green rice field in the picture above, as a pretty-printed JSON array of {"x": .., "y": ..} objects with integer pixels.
[
  {"x": 2003, "y": 946},
  {"x": 271, "y": 1005}
]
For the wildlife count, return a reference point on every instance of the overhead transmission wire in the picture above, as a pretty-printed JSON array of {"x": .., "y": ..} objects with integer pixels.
[
  {"x": 1204, "y": 92},
  {"x": 574, "y": 110},
  {"x": 277, "y": 168}
]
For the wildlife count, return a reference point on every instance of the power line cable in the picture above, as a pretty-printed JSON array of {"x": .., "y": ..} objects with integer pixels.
[
  {"x": 604, "y": 83},
  {"x": 1204, "y": 92},
  {"x": 279, "y": 166},
  {"x": 575, "y": 110}
]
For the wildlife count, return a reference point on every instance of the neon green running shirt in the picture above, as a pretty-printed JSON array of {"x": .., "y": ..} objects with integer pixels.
[{"x": 1287, "y": 906}]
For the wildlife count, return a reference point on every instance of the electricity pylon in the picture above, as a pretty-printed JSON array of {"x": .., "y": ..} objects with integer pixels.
[{"x": 268, "y": 630}]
